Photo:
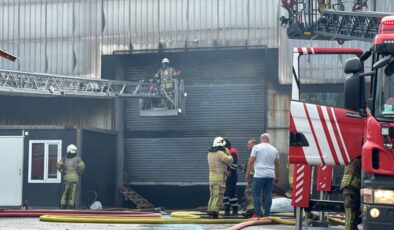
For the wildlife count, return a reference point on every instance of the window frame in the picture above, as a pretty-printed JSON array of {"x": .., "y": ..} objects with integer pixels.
[{"x": 46, "y": 160}]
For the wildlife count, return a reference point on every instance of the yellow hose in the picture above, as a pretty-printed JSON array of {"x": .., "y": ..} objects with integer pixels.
[
  {"x": 336, "y": 221},
  {"x": 184, "y": 217},
  {"x": 283, "y": 214},
  {"x": 187, "y": 214},
  {"x": 282, "y": 221},
  {"x": 138, "y": 220}
]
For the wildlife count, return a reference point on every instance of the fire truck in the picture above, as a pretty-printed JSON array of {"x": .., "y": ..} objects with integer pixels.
[{"x": 324, "y": 136}]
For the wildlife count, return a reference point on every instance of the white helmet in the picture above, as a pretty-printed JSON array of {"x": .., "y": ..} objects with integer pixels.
[
  {"x": 218, "y": 141},
  {"x": 165, "y": 60},
  {"x": 72, "y": 149}
]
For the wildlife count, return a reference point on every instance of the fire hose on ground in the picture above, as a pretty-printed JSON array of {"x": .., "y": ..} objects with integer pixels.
[
  {"x": 40, "y": 212},
  {"x": 185, "y": 217},
  {"x": 141, "y": 217}
]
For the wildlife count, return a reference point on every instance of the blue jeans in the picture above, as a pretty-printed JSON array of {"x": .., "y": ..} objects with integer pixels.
[{"x": 266, "y": 185}]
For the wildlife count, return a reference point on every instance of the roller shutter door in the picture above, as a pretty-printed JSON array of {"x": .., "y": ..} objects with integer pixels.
[{"x": 226, "y": 97}]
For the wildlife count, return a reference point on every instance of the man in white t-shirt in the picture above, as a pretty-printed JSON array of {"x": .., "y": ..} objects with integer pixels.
[{"x": 264, "y": 158}]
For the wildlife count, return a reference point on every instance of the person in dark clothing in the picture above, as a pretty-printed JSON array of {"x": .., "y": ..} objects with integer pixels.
[{"x": 230, "y": 200}]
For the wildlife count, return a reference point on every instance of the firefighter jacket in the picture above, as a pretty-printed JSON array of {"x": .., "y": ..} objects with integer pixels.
[
  {"x": 218, "y": 159},
  {"x": 71, "y": 168},
  {"x": 352, "y": 175},
  {"x": 232, "y": 168},
  {"x": 165, "y": 77}
]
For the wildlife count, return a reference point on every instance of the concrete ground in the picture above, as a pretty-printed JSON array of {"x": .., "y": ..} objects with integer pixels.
[{"x": 35, "y": 223}]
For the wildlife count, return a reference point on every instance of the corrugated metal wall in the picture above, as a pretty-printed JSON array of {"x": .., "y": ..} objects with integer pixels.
[
  {"x": 192, "y": 23},
  {"x": 226, "y": 97},
  {"x": 68, "y": 37},
  {"x": 61, "y": 37}
]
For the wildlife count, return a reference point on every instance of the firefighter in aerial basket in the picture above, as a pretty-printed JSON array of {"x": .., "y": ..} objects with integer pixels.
[
  {"x": 218, "y": 159},
  {"x": 71, "y": 168},
  {"x": 166, "y": 76},
  {"x": 350, "y": 187},
  {"x": 323, "y": 5}
]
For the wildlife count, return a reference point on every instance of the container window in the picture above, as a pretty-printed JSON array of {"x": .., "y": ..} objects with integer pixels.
[{"x": 43, "y": 157}]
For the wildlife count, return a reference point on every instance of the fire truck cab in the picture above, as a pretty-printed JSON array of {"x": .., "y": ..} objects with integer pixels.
[
  {"x": 377, "y": 150},
  {"x": 325, "y": 136}
]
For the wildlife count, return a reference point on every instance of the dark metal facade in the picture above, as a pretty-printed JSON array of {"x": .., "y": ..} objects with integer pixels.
[
  {"x": 226, "y": 97},
  {"x": 70, "y": 112},
  {"x": 99, "y": 151}
]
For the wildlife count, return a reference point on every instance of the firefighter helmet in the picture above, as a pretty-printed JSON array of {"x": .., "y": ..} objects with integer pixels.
[
  {"x": 165, "y": 60},
  {"x": 218, "y": 141},
  {"x": 72, "y": 149}
]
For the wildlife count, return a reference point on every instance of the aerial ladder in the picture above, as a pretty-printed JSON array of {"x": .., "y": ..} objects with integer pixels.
[
  {"x": 18, "y": 83},
  {"x": 305, "y": 20},
  {"x": 341, "y": 22}
]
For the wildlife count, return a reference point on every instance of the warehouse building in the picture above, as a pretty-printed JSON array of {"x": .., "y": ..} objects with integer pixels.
[{"x": 235, "y": 62}]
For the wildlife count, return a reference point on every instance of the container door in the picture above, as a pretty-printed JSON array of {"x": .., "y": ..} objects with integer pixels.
[{"x": 11, "y": 172}]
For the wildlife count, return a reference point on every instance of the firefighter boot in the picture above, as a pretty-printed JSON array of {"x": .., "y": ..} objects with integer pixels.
[
  {"x": 351, "y": 220},
  {"x": 235, "y": 211},
  {"x": 212, "y": 215},
  {"x": 226, "y": 210},
  {"x": 248, "y": 213}
]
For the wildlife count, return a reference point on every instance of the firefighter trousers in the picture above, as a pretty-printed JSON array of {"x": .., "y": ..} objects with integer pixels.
[
  {"x": 68, "y": 197},
  {"x": 230, "y": 196},
  {"x": 352, "y": 201},
  {"x": 249, "y": 206},
  {"x": 216, "y": 197}
]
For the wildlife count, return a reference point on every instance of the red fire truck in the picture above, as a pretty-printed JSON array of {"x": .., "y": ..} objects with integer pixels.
[{"x": 325, "y": 136}]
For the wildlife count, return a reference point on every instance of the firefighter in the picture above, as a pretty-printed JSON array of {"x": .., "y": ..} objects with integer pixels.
[
  {"x": 230, "y": 196},
  {"x": 323, "y": 5},
  {"x": 218, "y": 159},
  {"x": 249, "y": 206},
  {"x": 350, "y": 187},
  {"x": 71, "y": 167},
  {"x": 165, "y": 76}
]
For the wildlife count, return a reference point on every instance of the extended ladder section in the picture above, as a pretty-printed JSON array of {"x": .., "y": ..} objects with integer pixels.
[
  {"x": 307, "y": 21},
  {"x": 17, "y": 83}
]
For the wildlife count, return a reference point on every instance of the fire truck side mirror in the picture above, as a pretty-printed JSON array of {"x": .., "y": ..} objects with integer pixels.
[
  {"x": 353, "y": 65},
  {"x": 353, "y": 91}
]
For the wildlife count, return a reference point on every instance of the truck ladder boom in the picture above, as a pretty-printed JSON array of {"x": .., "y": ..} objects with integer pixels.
[
  {"x": 305, "y": 21},
  {"x": 342, "y": 25},
  {"x": 17, "y": 83}
]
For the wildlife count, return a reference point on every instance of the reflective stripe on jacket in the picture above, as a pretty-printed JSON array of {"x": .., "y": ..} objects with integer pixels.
[{"x": 351, "y": 177}]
